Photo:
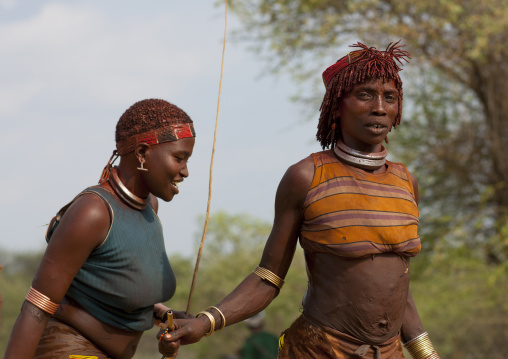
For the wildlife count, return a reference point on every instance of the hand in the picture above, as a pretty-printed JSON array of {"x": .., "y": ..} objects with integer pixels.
[
  {"x": 166, "y": 347},
  {"x": 188, "y": 331},
  {"x": 181, "y": 315},
  {"x": 159, "y": 311}
]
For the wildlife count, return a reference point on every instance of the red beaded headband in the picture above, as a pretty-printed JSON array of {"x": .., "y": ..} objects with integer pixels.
[{"x": 154, "y": 137}]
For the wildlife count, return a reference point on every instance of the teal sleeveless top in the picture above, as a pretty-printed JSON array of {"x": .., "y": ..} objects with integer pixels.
[{"x": 129, "y": 272}]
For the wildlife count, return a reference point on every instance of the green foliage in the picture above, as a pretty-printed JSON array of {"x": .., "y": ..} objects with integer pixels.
[
  {"x": 454, "y": 132},
  {"x": 446, "y": 30},
  {"x": 442, "y": 133},
  {"x": 461, "y": 299},
  {"x": 15, "y": 279},
  {"x": 463, "y": 304}
]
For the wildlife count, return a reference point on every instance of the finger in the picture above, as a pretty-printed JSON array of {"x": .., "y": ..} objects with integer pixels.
[
  {"x": 175, "y": 335},
  {"x": 164, "y": 336},
  {"x": 169, "y": 348},
  {"x": 166, "y": 340}
]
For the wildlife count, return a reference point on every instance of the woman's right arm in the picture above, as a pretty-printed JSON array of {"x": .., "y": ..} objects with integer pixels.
[
  {"x": 254, "y": 294},
  {"x": 83, "y": 227}
]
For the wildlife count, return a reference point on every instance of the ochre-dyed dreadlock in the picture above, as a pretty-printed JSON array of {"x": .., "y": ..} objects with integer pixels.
[{"x": 354, "y": 68}]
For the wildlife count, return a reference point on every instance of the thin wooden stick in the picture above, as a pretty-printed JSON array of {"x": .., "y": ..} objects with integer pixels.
[{"x": 211, "y": 169}]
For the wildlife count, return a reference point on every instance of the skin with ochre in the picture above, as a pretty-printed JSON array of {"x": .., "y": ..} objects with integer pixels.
[
  {"x": 84, "y": 227},
  {"x": 367, "y": 298}
]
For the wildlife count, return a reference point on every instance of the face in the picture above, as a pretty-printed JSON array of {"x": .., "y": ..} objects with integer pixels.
[
  {"x": 167, "y": 167},
  {"x": 367, "y": 114}
]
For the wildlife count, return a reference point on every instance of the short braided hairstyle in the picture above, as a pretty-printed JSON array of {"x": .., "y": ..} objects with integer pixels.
[
  {"x": 149, "y": 115},
  {"x": 352, "y": 69}
]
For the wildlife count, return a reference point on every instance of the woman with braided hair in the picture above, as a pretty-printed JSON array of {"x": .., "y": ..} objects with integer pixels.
[
  {"x": 105, "y": 271},
  {"x": 356, "y": 217}
]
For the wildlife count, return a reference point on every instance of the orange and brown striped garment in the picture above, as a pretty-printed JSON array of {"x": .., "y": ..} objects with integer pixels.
[{"x": 353, "y": 213}]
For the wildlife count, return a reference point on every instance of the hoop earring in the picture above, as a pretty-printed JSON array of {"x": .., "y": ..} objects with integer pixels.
[{"x": 142, "y": 168}]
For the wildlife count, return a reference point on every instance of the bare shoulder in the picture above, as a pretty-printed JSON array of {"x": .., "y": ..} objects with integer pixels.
[
  {"x": 296, "y": 182},
  {"x": 300, "y": 175},
  {"x": 289, "y": 201}
]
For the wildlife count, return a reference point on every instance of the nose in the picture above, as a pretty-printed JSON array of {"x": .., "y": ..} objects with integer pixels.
[
  {"x": 184, "y": 171},
  {"x": 379, "y": 106}
]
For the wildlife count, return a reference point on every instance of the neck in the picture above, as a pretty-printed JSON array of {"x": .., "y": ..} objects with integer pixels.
[
  {"x": 124, "y": 194},
  {"x": 365, "y": 160}
]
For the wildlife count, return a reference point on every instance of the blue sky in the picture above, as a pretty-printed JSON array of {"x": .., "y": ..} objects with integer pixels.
[{"x": 69, "y": 69}]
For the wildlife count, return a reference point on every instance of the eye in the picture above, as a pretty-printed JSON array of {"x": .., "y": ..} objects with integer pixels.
[
  {"x": 363, "y": 95},
  {"x": 391, "y": 98}
]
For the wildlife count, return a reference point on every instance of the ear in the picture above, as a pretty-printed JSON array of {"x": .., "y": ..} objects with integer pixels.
[{"x": 140, "y": 151}]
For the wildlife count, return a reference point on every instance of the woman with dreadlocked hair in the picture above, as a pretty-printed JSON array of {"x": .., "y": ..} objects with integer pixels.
[
  {"x": 105, "y": 271},
  {"x": 356, "y": 217}
]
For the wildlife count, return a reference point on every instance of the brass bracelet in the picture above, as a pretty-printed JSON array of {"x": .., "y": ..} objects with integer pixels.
[
  {"x": 41, "y": 301},
  {"x": 269, "y": 276},
  {"x": 221, "y": 315},
  {"x": 421, "y": 347},
  {"x": 212, "y": 322}
]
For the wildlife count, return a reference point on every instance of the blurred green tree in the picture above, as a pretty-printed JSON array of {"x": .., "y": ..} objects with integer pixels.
[
  {"x": 17, "y": 273},
  {"x": 457, "y": 137}
]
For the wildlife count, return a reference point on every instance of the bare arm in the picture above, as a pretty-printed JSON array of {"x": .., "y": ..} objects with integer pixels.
[
  {"x": 254, "y": 294},
  {"x": 414, "y": 182},
  {"x": 411, "y": 325},
  {"x": 83, "y": 227}
]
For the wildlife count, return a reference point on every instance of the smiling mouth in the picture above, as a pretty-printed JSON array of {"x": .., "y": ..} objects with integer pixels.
[{"x": 176, "y": 185}]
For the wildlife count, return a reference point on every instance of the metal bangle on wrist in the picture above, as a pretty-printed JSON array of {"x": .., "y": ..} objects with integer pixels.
[
  {"x": 212, "y": 322},
  {"x": 212, "y": 319},
  {"x": 223, "y": 318},
  {"x": 421, "y": 347}
]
